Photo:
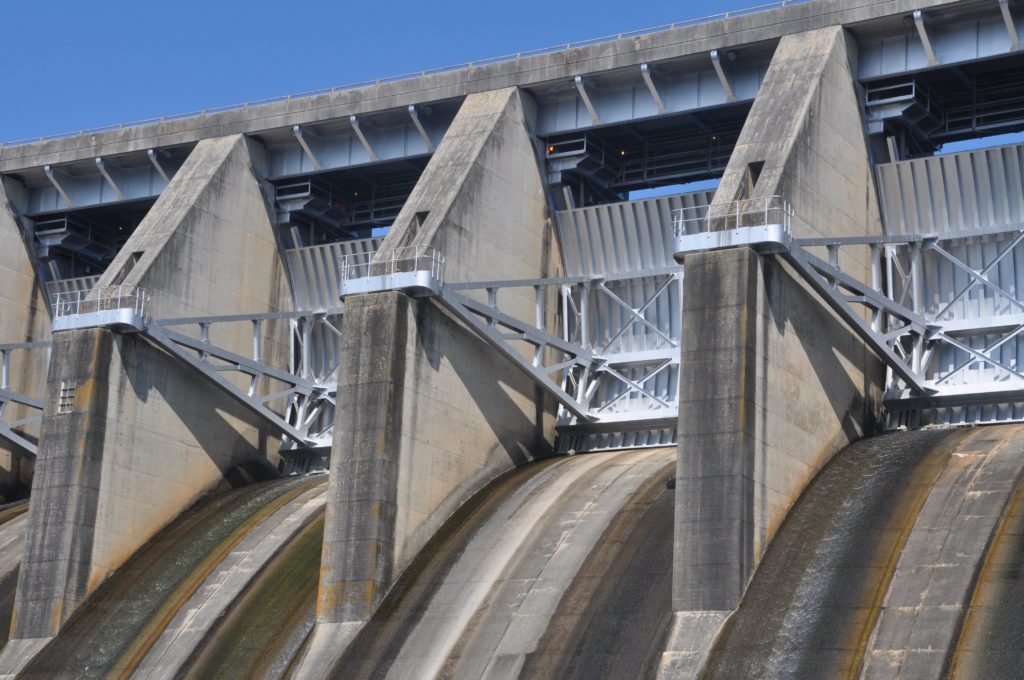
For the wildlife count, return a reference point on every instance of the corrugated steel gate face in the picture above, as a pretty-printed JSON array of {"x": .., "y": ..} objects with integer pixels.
[{"x": 970, "y": 279}]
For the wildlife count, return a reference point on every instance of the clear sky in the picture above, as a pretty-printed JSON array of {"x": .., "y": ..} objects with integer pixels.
[{"x": 73, "y": 64}]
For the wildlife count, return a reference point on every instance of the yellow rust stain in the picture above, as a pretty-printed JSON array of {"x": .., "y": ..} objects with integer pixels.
[
  {"x": 982, "y": 594},
  {"x": 902, "y": 520},
  {"x": 133, "y": 655}
]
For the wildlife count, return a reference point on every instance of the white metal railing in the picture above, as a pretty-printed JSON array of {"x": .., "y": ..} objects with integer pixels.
[
  {"x": 749, "y": 212},
  {"x": 76, "y": 302},
  {"x": 418, "y": 74},
  {"x": 419, "y": 258}
]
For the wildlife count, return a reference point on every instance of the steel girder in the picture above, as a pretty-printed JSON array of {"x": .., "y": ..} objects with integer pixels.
[
  {"x": 11, "y": 429},
  {"x": 930, "y": 340},
  {"x": 588, "y": 368},
  {"x": 305, "y": 392}
]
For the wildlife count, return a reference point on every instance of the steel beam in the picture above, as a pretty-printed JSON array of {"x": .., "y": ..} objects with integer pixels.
[
  {"x": 415, "y": 116},
  {"x": 301, "y": 139},
  {"x": 357, "y": 128},
  {"x": 581, "y": 88},
  {"x": 645, "y": 71},
  {"x": 716, "y": 61}
]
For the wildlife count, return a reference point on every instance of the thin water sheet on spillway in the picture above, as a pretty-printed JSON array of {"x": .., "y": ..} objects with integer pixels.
[
  {"x": 13, "y": 519},
  {"x": 815, "y": 597},
  {"x": 561, "y": 569},
  {"x": 117, "y": 624}
]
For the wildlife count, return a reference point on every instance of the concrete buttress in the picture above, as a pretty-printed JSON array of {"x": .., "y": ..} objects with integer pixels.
[
  {"x": 147, "y": 436},
  {"x": 772, "y": 383},
  {"x": 428, "y": 414},
  {"x": 25, "y": 318}
]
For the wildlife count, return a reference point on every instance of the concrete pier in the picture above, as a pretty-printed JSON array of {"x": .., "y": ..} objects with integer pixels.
[
  {"x": 146, "y": 436},
  {"x": 26, "y": 318},
  {"x": 790, "y": 384},
  {"x": 427, "y": 414}
]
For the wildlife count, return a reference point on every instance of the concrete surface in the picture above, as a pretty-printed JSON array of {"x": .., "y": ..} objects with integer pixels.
[
  {"x": 505, "y": 591},
  {"x": 427, "y": 414},
  {"x": 196, "y": 619},
  {"x": 148, "y": 436},
  {"x": 923, "y": 612},
  {"x": 772, "y": 384},
  {"x": 24, "y": 317}
]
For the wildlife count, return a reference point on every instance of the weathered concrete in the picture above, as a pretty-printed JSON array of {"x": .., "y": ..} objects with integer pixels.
[
  {"x": 24, "y": 317},
  {"x": 917, "y": 632},
  {"x": 545, "y": 69},
  {"x": 147, "y": 436},
  {"x": 772, "y": 384},
  {"x": 427, "y": 414},
  {"x": 196, "y": 618},
  {"x": 501, "y": 592}
]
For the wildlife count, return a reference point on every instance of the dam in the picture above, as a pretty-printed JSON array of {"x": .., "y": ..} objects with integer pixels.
[{"x": 689, "y": 352}]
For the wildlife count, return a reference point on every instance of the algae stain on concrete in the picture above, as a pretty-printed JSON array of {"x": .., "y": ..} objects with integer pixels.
[{"x": 270, "y": 619}]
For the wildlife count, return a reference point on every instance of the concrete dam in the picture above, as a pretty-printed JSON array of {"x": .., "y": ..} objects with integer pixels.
[{"x": 690, "y": 352}]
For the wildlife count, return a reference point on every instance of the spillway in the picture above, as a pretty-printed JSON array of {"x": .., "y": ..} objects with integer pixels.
[
  {"x": 560, "y": 569},
  {"x": 874, "y": 570},
  {"x": 152, "y": 616}
]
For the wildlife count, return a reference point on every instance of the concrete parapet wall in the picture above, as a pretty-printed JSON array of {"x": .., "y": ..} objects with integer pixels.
[
  {"x": 427, "y": 413},
  {"x": 24, "y": 317},
  {"x": 148, "y": 435},
  {"x": 772, "y": 383}
]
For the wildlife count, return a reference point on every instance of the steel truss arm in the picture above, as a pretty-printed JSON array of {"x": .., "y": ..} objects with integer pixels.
[
  {"x": 587, "y": 369},
  {"x": 909, "y": 340},
  {"x": 830, "y": 284},
  {"x": 497, "y": 329},
  {"x": 11, "y": 429},
  {"x": 309, "y": 398}
]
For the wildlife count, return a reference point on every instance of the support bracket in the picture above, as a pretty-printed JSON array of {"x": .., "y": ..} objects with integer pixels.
[
  {"x": 716, "y": 61},
  {"x": 926, "y": 42},
  {"x": 358, "y": 129},
  {"x": 1011, "y": 26},
  {"x": 306, "y": 149},
  {"x": 581, "y": 87},
  {"x": 415, "y": 116},
  {"x": 52, "y": 174},
  {"x": 101, "y": 165},
  {"x": 645, "y": 71}
]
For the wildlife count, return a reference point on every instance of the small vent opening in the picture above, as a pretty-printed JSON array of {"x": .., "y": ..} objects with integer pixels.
[{"x": 66, "y": 398}]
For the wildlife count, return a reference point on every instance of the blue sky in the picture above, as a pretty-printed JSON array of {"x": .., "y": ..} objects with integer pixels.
[{"x": 72, "y": 64}]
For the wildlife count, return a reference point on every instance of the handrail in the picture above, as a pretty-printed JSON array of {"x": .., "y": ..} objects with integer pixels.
[
  {"x": 124, "y": 296},
  {"x": 390, "y": 262},
  {"x": 407, "y": 76},
  {"x": 748, "y": 212}
]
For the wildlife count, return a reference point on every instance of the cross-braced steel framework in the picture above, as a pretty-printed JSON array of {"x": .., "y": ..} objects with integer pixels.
[
  {"x": 616, "y": 358},
  {"x": 298, "y": 399},
  {"x": 29, "y": 409},
  {"x": 937, "y": 309}
]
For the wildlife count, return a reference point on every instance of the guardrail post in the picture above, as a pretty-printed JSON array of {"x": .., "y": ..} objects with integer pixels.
[{"x": 5, "y": 368}]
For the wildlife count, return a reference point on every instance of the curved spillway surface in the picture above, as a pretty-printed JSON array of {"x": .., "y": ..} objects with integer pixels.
[
  {"x": 13, "y": 518},
  {"x": 873, "y": 571},
  {"x": 561, "y": 569},
  {"x": 139, "y": 611}
]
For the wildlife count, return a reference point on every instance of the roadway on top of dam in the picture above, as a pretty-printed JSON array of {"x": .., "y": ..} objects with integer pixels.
[{"x": 550, "y": 68}]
